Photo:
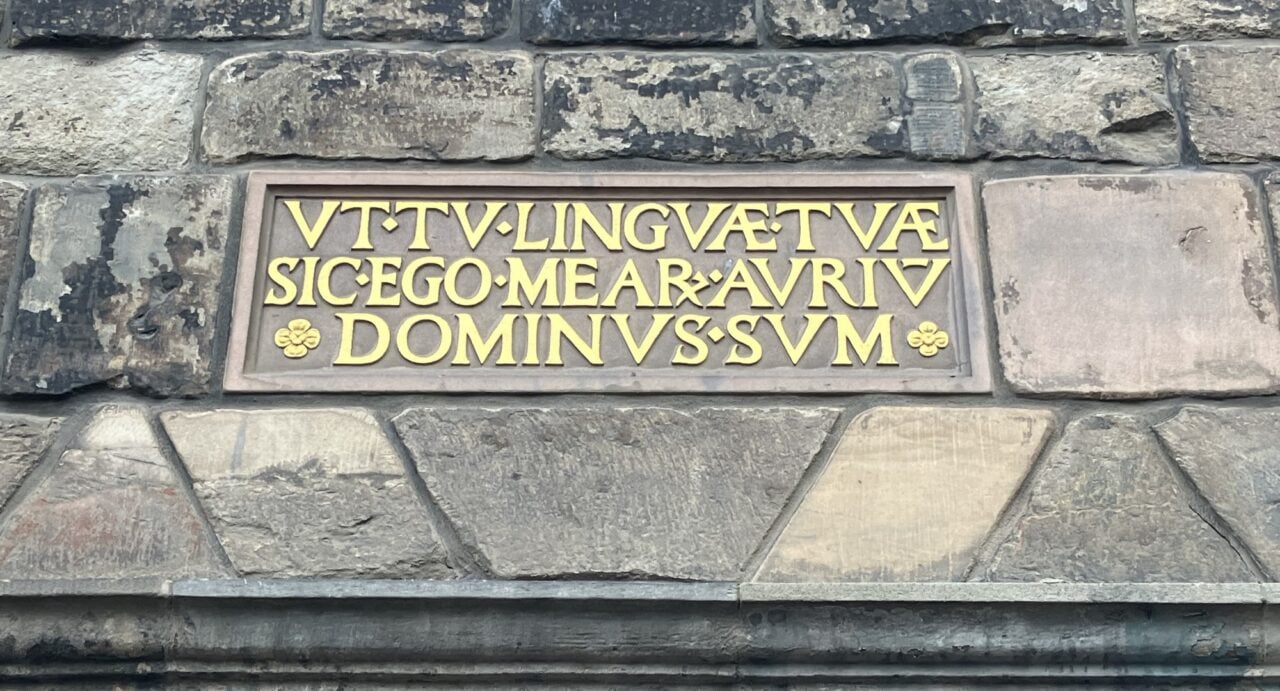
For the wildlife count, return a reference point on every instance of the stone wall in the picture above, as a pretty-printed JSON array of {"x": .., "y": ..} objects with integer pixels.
[{"x": 1124, "y": 152}]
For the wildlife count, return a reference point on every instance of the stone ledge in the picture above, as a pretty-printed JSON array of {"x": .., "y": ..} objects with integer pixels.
[{"x": 628, "y": 634}]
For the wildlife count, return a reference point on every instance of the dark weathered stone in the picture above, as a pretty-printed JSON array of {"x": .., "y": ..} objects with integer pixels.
[
  {"x": 1133, "y": 286},
  {"x": 938, "y": 113},
  {"x": 112, "y": 507},
  {"x": 311, "y": 493},
  {"x": 1204, "y": 20},
  {"x": 99, "y": 20},
  {"x": 983, "y": 22},
  {"x": 1233, "y": 114},
  {"x": 650, "y": 492},
  {"x": 66, "y": 113},
  {"x": 722, "y": 107},
  {"x": 1106, "y": 507},
  {"x": 661, "y": 22},
  {"x": 23, "y": 441},
  {"x": 1081, "y": 106},
  {"x": 12, "y": 195},
  {"x": 438, "y": 20},
  {"x": 121, "y": 285},
  {"x": 1233, "y": 457},
  {"x": 450, "y": 105}
]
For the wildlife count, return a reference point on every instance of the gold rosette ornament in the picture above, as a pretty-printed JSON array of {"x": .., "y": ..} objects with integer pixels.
[
  {"x": 928, "y": 339},
  {"x": 297, "y": 339}
]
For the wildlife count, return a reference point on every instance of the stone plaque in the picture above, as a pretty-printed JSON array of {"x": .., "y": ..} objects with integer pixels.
[{"x": 764, "y": 282}]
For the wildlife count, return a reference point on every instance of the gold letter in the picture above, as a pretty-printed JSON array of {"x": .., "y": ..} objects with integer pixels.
[
  {"x": 420, "y": 223},
  {"x": 402, "y": 339},
  {"x": 910, "y": 220},
  {"x": 847, "y": 335},
  {"x": 806, "y": 229},
  {"x": 345, "y": 355},
  {"x": 868, "y": 236},
  {"x": 366, "y": 210},
  {"x": 469, "y": 337},
  {"x": 312, "y": 233},
  {"x": 278, "y": 277}
]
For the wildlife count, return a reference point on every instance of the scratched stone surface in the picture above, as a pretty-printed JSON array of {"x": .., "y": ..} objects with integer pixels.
[
  {"x": 52, "y": 21},
  {"x": 12, "y": 196},
  {"x": 909, "y": 495},
  {"x": 1230, "y": 118},
  {"x": 1105, "y": 506},
  {"x": 618, "y": 492},
  {"x": 440, "y": 20},
  {"x": 111, "y": 507},
  {"x": 307, "y": 493},
  {"x": 1188, "y": 304},
  {"x": 1205, "y": 20},
  {"x": 120, "y": 285},
  {"x": 658, "y": 22},
  {"x": 24, "y": 439}
]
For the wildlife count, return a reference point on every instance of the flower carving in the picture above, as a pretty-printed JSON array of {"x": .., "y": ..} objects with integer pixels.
[
  {"x": 297, "y": 339},
  {"x": 928, "y": 339}
]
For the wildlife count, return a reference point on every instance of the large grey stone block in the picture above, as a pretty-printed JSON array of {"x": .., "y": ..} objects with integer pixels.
[
  {"x": 983, "y": 22},
  {"x": 1080, "y": 106},
  {"x": 642, "y": 492},
  {"x": 12, "y": 195},
  {"x": 909, "y": 495},
  {"x": 121, "y": 285},
  {"x": 307, "y": 493},
  {"x": 1204, "y": 20},
  {"x": 66, "y": 113},
  {"x": 1233, "y": 113},
  {"x": 447, "y": 105},
  {"x": 1232, "y": 456},
  {"x": 1105, "y": 507},
  {"x": 1133, "y": 286},
  {"x": 440, "y": 20},
  {"x": 112, "y": 507},
  {"x": 106, "y": 20},
  {"x": 24, "y": 439},
  {"x": 722, "y": 107},
  {"x": 658, "y": 22}
]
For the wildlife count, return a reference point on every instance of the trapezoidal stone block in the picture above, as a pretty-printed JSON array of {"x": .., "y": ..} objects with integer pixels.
[
  {"x": 1133, "y": 286},
  {"x": 641, "y": 492},
  {"x": 24, "y": 439},
  {"x": 909, "y": 494},
  {"x": 112, "y": 507},
  {"x": 307, "y": 493}
]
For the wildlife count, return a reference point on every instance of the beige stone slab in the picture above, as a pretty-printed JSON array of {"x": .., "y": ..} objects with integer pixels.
[
  {"x": 909, "y": 495},
  {"x": 1133, "y": 286}
]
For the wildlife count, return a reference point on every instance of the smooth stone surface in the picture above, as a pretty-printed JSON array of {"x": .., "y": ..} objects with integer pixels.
[
  {"x": 121, "y": 285},
  {"x": 1171, "y": 285},
  {"x": 12, "y": 195},
  {"x": 658, "y": 22},
  {"x": 700, "y": 107},
  {"x": 1105, "y": 507},
  {"x": 307, "y": 492},
  {"x": 97, "y": 21},
  {"x": 437, "y": 20},
  {"x": 1079, "y": 106},
  {"x": 1233, "y": 114},
  {"x": 909, "y": 495},
  {"x": 447, "y": 105},
  {"x": 24, "y": 439},
  {"x": 981, "y": 22},
  {"x": 1233, "y": 457},
  {"x": 112, "y": 507},
  {"x": 67, "y": 113},
  {"x": 641, "y": 492},
  {"x": 1205, "y": 20}
]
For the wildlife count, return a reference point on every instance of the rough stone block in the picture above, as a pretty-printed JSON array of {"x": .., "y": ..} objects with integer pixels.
[
  {"x": 436, "y": 20},
  {"x": 1133, "y": 286},
  {"x": 1106, "y": 507},
  {"x": 112, "y": 507},
  {"x": 23, "y": 441},
  {"x": 307, "y": 493},
  {"x": 121, "y": 285},
  {"x": 937, "y": 117},
  {"x": 722, "y": 107},
  {"x": 1080, "y": 106},
  {"x": 1204, "y": 20},
  {"x": 448, "y": 105},
  {"x": 909, "y": 495},
  {"x": 104, "y": 20},
  {"x": 12, "y": 195},
  {"x": 982, "y": 22},
  {"x": 63, "y": 113},
  {"x": 657, "y": 22},
  {"x": 1232, "y": 456},
  {"x": 644, "y": 492},
  {"x": 1233, "y": 113}
]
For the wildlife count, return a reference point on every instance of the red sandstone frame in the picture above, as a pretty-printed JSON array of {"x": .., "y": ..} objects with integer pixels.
[{"x": 968, "y": 305}]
